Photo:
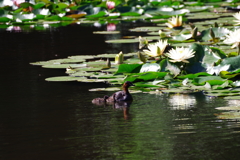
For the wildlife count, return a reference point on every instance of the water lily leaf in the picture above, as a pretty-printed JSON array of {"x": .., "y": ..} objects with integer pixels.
[
  {"x": 150, "y": 67},
  {"x": 145, "y": 29},
  {"x": 221, "y": 94},
  {"x": 76, "y": 16},
  {"x": 175, "y": 90},
  {"x": 146, "y": 76},
  {"x": 83, "y": 57},
  {"x": 192, "y": 76},
  {"x": 107, "y": 76},
  {"x": 146, "y": 85},
  {"x": 38, "y": 5},
  {"x": 232, "y": 97},
  {"x": 122, "y": 41},
  {"x": 80, "y": 73},
  {"x": 4, "y": 19},
  {"x": 62, "y": 66},
  {"x": 230, "y": 108},
  {"x": 25, "y": 5},
  {"x": 106, "y": 32},
  {"x": 193, "y": 9},
  {"x": 53, "y": 18},
  {"x": 218, "y": 52},
  {"x": 182, "y": 37},
  {"x": 97, "y": 64},
  {"x": 91, "y": 80},
  {"x": 89, "y": 69},
  {"x": 129, "y": 68},
  {"x": 195, "y": 65},
  {"x": 64, "y": 78},
  {"x": 98, "y": 15},
  {"x": 203, "y": 15},
  {"x": 228, "y": 75},
  {"x": 130, "y": 14},
  {"x": 219, "y": 32},
  {"x": 212, "y": 80},
  {"x": 233, "y": 62},
  {"x": 105, "y": 89}
]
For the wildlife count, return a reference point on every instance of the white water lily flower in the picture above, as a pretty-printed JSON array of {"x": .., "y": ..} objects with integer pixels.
[
  {"x": 156, "y": 49},
  {"x": 175, "y": 22},
  {"x": 237, "y": 16},
  {"x": 233, "y": 38},
  {"x": 180, "y": 54}
]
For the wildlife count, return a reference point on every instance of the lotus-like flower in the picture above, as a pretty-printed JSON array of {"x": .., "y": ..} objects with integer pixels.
[
  {"x": 233, "y": 38},
  {"x": 180, "y": 54},
  {"x": 156, "y": 49},
  {"x": 175, "y": 22},
  {"x": 237, "y": 16},
  {"x": 110, "y": 4}
]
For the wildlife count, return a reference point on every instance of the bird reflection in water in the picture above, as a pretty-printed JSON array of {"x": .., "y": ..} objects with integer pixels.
[
  {"x": 118, "y": 105},
  {"x": 119, "y": 100}
]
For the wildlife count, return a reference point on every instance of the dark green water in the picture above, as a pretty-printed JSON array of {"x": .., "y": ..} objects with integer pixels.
[{"x": 46, "y": 121}]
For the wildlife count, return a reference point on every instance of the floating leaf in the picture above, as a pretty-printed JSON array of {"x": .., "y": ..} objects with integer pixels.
[
  {"x": 122, "y": 41},
  {"x": 129, "y": 68},
  {"x": 64, "y": 78},
  {"x": 106, "y": 32}
]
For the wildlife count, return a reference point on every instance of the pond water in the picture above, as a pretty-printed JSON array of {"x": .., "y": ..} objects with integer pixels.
[{"x": 48, "y": 120}]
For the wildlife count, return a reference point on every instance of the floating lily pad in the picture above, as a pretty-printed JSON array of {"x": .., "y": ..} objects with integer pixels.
[
  {"x": 106, "y": 32},
  {"x": 83, "y": 57},
  {"x": 233, "y": 97},
  {"x": 64, "y": 78},
  {"x": 63, "y": 66},
  {"x": 232, "y": 108},
  {"x": 145, "y": 29},
  {"x": 122, "y": 41}
]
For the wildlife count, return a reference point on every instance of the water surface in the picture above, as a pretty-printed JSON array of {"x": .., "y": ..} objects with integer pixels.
[{"x": 49, "y": 120}]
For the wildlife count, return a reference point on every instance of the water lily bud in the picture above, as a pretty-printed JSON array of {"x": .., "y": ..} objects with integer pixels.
[
  {"x": 142, "y": 42},
  {"x": 142, "y": 57},
  {"x": 110, "y": 4},
  {"x": 119, "y": 58},
  {"x": 192, "y": 25},
  {"x": 161, "y": 34},
  {"x": 212, "y": 34},
  {"x": 108, "y": 63},
  {"x": 194, "y": 33}
]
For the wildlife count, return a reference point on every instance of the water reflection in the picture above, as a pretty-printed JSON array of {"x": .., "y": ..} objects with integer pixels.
[
  {"x": 182, "y": 101},
  {"x": 230, "y": 111},
  {"x": 42, "y": 120}
]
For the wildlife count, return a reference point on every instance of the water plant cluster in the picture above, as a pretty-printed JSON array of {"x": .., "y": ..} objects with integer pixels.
[
  {"x": 18, "y": 15},
  {"x": 191, "y": 48}
]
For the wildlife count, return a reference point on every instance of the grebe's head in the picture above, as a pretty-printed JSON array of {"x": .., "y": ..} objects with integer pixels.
[{"x": 128, "y": 84}]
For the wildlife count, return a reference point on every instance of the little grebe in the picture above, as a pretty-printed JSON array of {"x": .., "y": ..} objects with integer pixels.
[{"x": 123, "y": 95}]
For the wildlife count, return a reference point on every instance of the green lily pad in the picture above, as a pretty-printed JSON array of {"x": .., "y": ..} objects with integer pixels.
[
  {"x": 64, "y": 79},
  {"x": 63, "y": 66},
  {"x": 122, "y": 41},
  {"x": 106, "y": 32}
]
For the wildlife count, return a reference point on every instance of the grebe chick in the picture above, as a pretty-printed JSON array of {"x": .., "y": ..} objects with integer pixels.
[{"x": 100, "y": 101}]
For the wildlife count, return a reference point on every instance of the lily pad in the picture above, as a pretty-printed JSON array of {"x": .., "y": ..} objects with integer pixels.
[
  {"x": 64, "y": 79},
  {"x": 122, "y": 41}
]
